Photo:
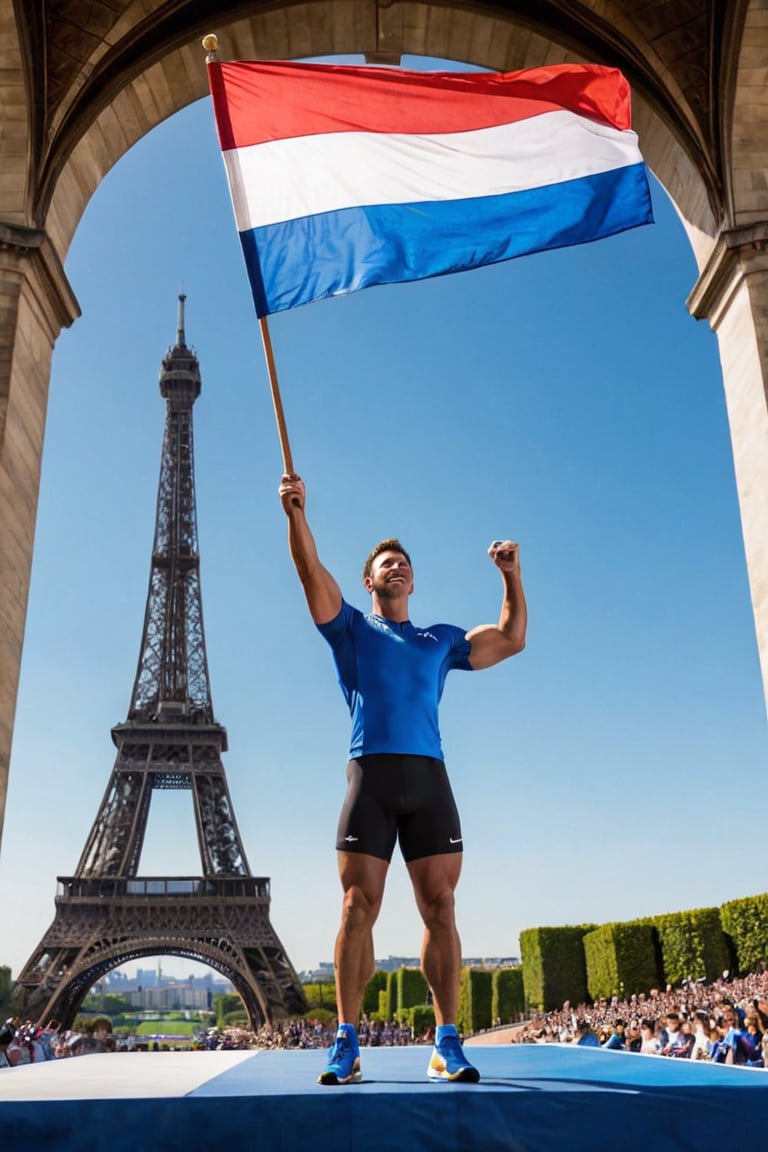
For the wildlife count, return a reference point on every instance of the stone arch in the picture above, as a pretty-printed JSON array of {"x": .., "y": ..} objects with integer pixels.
[
  {"x": 64, "y": 1001},
  {"x": 745, "y": 122},
  {"x": 77, "y": 93},
  {"x": 732, "y": 292},
  {"x": 482, "y": 37}
]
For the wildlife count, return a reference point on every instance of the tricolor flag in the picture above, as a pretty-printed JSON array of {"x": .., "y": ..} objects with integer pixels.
[{"x": 343, "y": 177}]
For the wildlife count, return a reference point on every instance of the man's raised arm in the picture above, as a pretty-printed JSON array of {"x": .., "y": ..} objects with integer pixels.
[
  {"x": 321, "y": 590},
  {"x": 492, "y": 643}
]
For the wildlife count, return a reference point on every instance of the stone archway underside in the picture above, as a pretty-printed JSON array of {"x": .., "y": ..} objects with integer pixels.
[
  {"x": 83, "y": 80},
  {"x": 70, "y": 995},
  {"x": 65, "y": 1005}
]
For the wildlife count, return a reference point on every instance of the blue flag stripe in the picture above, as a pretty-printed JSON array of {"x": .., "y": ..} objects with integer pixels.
[{"x": 332, "y": 253}]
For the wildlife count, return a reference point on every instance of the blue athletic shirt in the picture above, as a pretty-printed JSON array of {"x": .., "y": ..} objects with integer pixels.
[{"x": 392, "y": 677}]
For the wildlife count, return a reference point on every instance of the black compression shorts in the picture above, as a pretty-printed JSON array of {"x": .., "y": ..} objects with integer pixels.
[{"x": 391, "y": 797}]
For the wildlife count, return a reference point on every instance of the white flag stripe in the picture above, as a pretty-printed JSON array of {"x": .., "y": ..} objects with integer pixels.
[{"x": 307, "y": 175}]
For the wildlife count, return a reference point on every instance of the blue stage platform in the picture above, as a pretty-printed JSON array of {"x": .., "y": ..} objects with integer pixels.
[{"x": 532, "y": 1098}]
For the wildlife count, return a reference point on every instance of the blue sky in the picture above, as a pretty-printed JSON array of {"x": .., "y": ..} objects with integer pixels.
[{"x": 566, "y": 400}]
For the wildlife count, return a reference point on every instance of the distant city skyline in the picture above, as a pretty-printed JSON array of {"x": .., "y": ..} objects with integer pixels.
[{"x": 176, "y": 968}]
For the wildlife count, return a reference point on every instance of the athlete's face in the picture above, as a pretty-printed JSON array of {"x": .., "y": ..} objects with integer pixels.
[{"x": 391, "y": 576}]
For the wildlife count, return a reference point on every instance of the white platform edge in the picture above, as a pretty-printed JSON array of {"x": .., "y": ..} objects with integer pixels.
[{"x": 117, "y": 1075}]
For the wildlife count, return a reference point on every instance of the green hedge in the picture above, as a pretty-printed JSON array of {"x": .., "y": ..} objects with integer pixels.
[
  {"x": 230, "y": 1019},
  {"x": 371, "y": 995},
  {"x": 324, "y": 1015},
  {"x": 391, "y": 989},
  {"x": 387, "y": 998},
  {"x": 179, "y": 1027},
  {"x": 621, "y": 959},
  {"x": 320, "y": 994},
  {"x": 692, "y": 945},
  {"x": 474, "y": 1012},
  {"x": 554, "y": 968},
  {"x": 745, "y": 923},
  {"x": 420, "y": 1017},
  {"x": 7, "y": 989},
  {"x": 127, "y": 1021},
  {"x": 591, "y": 961},
  {"x": 507, "y": 994},
  {"x": 224, "y": 1004},
  {"x": 411, "y": 988}
]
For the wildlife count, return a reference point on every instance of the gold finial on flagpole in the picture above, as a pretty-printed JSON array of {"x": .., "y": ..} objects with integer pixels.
[{"x": 211, "y": 45}]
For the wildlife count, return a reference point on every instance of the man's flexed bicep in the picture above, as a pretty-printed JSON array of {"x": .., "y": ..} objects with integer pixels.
[
  {"x": 321, "y": 590},
  {"x": 492, "y": 643}
]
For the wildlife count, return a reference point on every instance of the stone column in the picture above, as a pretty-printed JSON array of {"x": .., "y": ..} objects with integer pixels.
[
  {"x": 732, "y": 293},
  {"x": 36, "y": 302}
]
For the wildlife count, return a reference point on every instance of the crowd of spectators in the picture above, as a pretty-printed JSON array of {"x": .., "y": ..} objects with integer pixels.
[
  {"x": 26, "y": 1043},
  {"x": 309, "y": 1033},
  {"x": 724, "y": 1021}
]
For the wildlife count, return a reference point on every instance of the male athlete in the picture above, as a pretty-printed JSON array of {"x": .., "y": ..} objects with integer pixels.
[{"x": 392, "y": 674}]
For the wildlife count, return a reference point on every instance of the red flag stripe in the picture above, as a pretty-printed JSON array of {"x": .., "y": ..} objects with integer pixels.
[{"x": 259, "y": 101}]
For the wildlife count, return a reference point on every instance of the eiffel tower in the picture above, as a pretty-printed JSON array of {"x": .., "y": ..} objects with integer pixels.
[{"x": 107, "y": 914}]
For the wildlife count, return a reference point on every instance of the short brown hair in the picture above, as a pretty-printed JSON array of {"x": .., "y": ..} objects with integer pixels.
[{"x": 391, "y": 545}]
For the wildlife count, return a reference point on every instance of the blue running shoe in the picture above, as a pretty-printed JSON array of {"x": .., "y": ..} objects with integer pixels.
[
  {"x": 449, "y": 1062},
  {"x": 343, "y": 1065}
]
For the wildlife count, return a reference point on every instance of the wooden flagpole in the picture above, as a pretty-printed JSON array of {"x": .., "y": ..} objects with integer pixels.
[
  {"x": 277, "y": 403},
  {"x": 211, "y": 45}
]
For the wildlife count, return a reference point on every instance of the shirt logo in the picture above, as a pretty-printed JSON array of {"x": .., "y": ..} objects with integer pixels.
[
  {"x": 456, "y": 841},
  {"x": 378, "y": 622},
  {"x": 351, "y": 839},
  {"x": 428, "y": 636}
]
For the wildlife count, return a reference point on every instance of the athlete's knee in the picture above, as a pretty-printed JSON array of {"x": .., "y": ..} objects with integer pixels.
[
  {"x": 437, "y": 906},
  {"x": 359, "y": 910}
]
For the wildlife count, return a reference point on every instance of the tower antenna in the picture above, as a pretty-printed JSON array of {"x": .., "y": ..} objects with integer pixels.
[{"x": 180, "y": 341}]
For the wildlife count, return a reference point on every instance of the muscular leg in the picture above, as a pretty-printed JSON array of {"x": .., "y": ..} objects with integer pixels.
[
  {"x": 362, "y": 878},
  {"x": 434, "y": 880}
]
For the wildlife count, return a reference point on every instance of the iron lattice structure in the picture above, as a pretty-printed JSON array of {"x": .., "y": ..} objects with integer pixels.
[{"x": 106, "y": 914}]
